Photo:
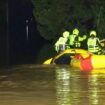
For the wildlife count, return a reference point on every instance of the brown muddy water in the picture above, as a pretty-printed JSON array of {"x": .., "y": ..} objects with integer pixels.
[{"x": 50, "y": 85}]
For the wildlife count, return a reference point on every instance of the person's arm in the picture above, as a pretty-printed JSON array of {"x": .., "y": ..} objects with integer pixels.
[
  {"x": 98, "y": 43},
  {"x": 103, "y": 40},
  {"x": 82, "y": 38}
]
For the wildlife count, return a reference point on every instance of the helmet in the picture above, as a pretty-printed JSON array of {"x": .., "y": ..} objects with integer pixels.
[
  {"x": 93, "y": 33},
  {"x": 66, "y": 34},
  {"x": 75, "y": 31}
]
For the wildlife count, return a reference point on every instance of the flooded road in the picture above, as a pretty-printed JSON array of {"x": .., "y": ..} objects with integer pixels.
[{"x": 50, "y": 85}]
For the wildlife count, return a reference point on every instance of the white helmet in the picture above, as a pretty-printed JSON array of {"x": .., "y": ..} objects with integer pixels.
[
  {"x": 93, "y": 33},
  {"x": 66, "y": 34}
]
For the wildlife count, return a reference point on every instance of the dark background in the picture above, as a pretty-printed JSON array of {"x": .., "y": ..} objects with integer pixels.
[
  {"x": 15, "y": 47},
  {"x": 46, "y": 21}
]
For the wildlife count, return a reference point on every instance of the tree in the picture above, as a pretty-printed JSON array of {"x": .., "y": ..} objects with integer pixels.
[{"x": 54, "y": 16}]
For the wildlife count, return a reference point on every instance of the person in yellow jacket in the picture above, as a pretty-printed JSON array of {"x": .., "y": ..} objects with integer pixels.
[
  {"x": 75, "y": 40},
  {"x": 93, "y": 43},
  {"x": 61, "y": 43}
]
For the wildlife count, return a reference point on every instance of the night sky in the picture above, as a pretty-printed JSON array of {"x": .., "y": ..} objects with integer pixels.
[{"x": 23, "y": 45}]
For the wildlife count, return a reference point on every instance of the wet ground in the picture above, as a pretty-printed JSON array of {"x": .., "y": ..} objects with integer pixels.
[{"x": 50, "y": 85}]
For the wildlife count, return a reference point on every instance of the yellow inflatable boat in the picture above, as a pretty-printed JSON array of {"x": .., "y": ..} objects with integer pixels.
[
  {"x": 79, "y": 58},
  {"x": 65, "y": 56},
  {"x": 88, "y": 62}
]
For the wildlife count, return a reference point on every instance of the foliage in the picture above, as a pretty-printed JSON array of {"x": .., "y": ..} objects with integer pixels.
[{"x": 54, "y": 16}]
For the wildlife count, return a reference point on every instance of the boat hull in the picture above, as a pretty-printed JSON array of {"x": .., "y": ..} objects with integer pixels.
[
  {"x": 65, "y": 56},
  {"x": 79, "y": 58},
  {"x": 88, "y": 63}
]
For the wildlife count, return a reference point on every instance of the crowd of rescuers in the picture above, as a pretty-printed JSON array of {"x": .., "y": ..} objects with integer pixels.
[{"x": 74, "y": 40}]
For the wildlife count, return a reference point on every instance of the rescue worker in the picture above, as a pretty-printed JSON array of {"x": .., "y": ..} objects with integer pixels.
[
  {"x": 93, "y": 43},
  {"x": 75, "y": 40},
  {"x": 61, "y": 43}
]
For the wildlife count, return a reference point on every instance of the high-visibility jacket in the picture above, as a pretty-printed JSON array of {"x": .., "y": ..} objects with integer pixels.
[
  {"x": 93, "y": 45},
  {"x": 75, "y": 41},
  {"x": 61, "y": 44}
]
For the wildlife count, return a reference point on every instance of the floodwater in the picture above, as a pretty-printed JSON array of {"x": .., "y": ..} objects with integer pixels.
[{"x": 51, "y": 85}]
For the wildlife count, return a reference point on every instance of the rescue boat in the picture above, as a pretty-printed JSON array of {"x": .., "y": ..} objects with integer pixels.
[
  {"x": 65, "y": 56},
  {"x": 88, "y": 62}
]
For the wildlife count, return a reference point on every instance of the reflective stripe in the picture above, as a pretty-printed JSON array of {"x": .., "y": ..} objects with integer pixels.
[
  {"x": 93, "y": 48},
  {"x": 77, "y": 44}
]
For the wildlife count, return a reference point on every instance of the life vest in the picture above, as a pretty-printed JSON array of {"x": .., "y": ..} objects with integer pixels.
[
  {"x": 92, "y": 45},
  {"x": 74, "y": 41},
  {"x": 61, "y": 44}
]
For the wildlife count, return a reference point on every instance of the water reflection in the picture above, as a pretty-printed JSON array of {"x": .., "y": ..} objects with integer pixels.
[
  {"x": 96, "y": 87},
  {"x": 93, "y": 89},
  {"x": 76, "y": 88},
  {"x": 51, "y": 85},
  {"x": 68, "y": 88},
  {"x": 63, "y": 86}
]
